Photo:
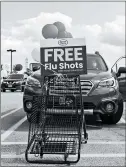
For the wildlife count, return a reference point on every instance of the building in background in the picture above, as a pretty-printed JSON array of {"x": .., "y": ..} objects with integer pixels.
[
  {"x": 7, "y": 67},
  {"x": 26, "y": 63},
  {"x": 4, "y": 73}
]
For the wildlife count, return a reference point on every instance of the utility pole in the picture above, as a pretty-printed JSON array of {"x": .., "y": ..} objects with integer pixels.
[{"x": 11, "y": 50}]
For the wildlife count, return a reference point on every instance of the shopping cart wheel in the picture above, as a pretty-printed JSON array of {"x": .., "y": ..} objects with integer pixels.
[
  {"x": 37, "y": 150},
  {"x": 26, "y": 155},
  {"x": 65, "y": 157},
  {"x": 84, "y": 139}
]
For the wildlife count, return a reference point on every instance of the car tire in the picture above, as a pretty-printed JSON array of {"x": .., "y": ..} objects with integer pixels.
[
  {"x": 12, "y": 90},
  {"x": 22, "y": 89},
  {"x": 28, "y": 117},
  {"x": 33, "y": 117},
  {"x": 4, "y": 90},
  {"x": 114, "y": 119}
]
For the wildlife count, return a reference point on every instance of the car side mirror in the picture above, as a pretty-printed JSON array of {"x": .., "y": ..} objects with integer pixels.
[
  {"x": 122, "y": 70},
  {"x": 35, "y": 68}
]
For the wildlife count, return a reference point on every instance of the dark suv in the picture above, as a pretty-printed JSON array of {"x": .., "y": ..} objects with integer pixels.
[
  {"x": 100, "y": 90},
  {"x": 13, "y": 82}
]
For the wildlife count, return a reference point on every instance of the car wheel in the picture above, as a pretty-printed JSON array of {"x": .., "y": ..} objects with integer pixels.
[
  {"x": 28, "y": 117},
  {"x": 33, "y": 117},
  {"x": 113, "y": 119},
  {"x": 12, "y": 90},
  {"x": 22, "y": 89},
  {"x": 4, "y": 90}
]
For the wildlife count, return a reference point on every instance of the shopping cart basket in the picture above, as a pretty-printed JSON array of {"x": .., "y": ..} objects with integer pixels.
[{"x": 57, "y": 122}]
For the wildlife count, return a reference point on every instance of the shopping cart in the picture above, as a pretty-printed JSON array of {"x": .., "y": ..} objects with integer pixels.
[{"x": 57, "y": 122}]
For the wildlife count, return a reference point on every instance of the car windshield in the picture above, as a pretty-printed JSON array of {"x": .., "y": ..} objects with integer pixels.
[
  {"x": 96, "y": 63},
  {"x": 15, "y": 76},
  {"x": 34, "y": 65}
]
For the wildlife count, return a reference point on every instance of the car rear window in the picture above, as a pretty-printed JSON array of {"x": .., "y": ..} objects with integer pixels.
[
  {"x": 96, "y": 63},
  {"x": 16, "y": 76}
]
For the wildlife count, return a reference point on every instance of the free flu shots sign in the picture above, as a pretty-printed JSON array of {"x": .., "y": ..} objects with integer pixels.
[{"x": 66, "y": 56}]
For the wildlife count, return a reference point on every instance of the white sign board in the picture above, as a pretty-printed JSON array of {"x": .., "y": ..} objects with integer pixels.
[{"x": 66, "y": 56}]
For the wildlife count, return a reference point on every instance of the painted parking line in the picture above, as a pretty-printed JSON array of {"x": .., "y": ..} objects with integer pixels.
[
  {"x": 103, "y": 155},
  {"x": 7, "y": 111},
  {"x": 12, "y": 129},
  {"x": 89, "y": 142},
  {"x": 11, "y": 112},
  {"x": 108, "y": 155},
  {"x": 122, "y": 120}
]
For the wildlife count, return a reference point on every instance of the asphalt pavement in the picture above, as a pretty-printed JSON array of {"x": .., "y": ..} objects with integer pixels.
[
  {"x": 10, "y": 101},
  {"x": 105, "y": 146}
]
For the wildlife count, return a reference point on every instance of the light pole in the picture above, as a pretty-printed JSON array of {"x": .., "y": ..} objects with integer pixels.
[{"x": 11, "y": 50}]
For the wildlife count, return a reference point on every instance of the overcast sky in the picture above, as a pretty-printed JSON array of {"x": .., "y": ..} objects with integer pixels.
[{"x": 101, "y": 23}]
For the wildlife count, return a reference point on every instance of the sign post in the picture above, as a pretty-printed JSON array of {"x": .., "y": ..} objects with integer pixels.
[{"x": 65, "y": 56}]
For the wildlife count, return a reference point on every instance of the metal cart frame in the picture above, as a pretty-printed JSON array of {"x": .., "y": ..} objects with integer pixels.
[{"x": 57, "y": 121}]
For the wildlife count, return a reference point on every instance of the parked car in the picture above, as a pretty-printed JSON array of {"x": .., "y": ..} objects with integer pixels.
[
  {"x": 33, "y": 66},
  {"x": 122, "y": 85},
  {"x": 27, "y": 73},
  {"x": 101, "y": 90},
  {"x": 13, "y": 82},
  {"x": 121, "y": 76},
  {"x": 4, "y": 74}
]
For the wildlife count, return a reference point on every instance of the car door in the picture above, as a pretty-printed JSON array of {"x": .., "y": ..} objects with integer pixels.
[
  {"x": 122, "y": 77},
  {"x": 122, "y": 85}
]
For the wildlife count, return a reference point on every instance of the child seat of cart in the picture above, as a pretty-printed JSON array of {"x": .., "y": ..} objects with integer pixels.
[{"x": 63, "y": 94}]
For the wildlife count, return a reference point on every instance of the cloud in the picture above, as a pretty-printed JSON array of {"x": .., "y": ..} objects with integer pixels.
[
  {"x": 32, "y": 28},
  {"x": 25, "y": 35},
  {"x": 82, "y": 30},
  {"x": 108, "y": 39},
  {"x": 111, "y": 53},
  {"x": 45, "y": 18},
  {"x": 113, "y": 33}
]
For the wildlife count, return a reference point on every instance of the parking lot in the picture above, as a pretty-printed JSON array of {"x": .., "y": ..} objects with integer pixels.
[{"x": 105, "y": 147}]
